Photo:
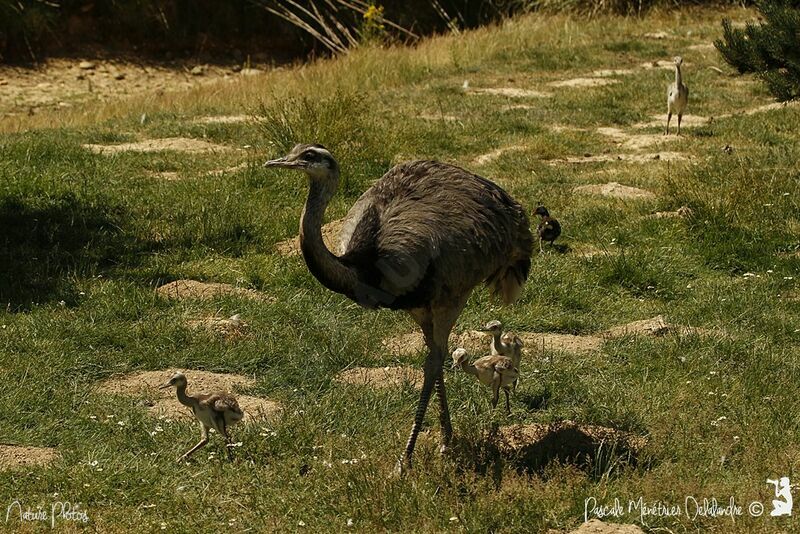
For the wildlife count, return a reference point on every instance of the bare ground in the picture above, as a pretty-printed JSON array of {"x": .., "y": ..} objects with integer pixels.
[
  {"x": 634, "y": 141},
  {"x": 381, "y": 377},
  {"x": 684, "y": 212},
  {"x": 494, "y": 154},
  {"x": 147, "y": 382},
  {"x": 615, "y": 190},
  {"x": 537, "y": 341},
  {"x": 595, "y": 526},
  {"x": 656, "y": 327},
  {"x": 511, "y": 92},
  {"x": 174, "y": 144},
  {"x": 230, "y": 327},
  {"x": 193, "y": 289},
  {"x": 584, "y": 82},
  {"x": 622, "y": 158},
  {"x": 14, "y": 456}
]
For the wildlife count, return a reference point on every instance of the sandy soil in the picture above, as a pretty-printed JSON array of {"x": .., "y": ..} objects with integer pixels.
[
  {"x": 634, "y": 141},
  {"x": 381, "y": 377},
  {"x": 14, "y": 456},
  {"x": 656, "y": 327},
  {"x": 536, "y": 342},
  {"x": 494, "y": 154},
  {"x": 623, "y": 158},
  {"x": 511, "y": 92},
  {"x": 615, "y": 190},
  {"x": 230, "y": 327},
  {"x": 192, "y": 289},
  {"x": 684, "y": 212},
  {"x": 595, "y": 526},
  {"x": 584, "y": 82},
  {"x": 147, "y": 382},
  {"x": 61, "y": 83},
  {"x": 175, "y": 144}
]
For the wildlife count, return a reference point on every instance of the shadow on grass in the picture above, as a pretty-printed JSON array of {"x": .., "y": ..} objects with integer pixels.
[
  {"x": 44, "y": 241},
  {"x": 600, "y": 451}
]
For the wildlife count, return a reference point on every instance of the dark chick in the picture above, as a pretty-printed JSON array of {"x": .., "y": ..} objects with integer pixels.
[{"x": 548, "y": 229}]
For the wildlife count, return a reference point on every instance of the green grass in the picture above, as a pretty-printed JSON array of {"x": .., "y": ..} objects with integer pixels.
[{"x": 85, "y": 238}]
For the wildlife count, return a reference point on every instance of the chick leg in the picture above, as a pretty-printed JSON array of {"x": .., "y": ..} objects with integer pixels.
[
  {"x": 508, "y": 406},
  {"x": 200, "y": 444},
  {"x": 669, "y": 117}
]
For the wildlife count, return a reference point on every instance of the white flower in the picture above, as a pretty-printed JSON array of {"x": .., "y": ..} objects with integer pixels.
[
  {"x": 350, "y": 522},
  {"x": 301, "y": 524}
]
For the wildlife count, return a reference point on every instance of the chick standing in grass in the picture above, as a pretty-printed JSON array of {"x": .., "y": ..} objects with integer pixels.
[
  {"x": 506, "y": 344},
  {"x": 214, "y": 410},
  {"x": 677, "y": 96},
  {"x": 548, "y": 229},
  {"x": 494, "y": 371}
]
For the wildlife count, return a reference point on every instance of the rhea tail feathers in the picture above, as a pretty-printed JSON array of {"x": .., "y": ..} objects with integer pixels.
[{"x": 506, "y": 283}]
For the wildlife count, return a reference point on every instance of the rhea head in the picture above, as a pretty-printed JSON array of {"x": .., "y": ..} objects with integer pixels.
[
  {"x": 314, "y": 160},
  {"x": 541, "y": 211},
  {"x": 678, "y": 60},
  {"x": 459, "y": 356},
  {"x": 495, "y": 327},
  {"x": 178, "y": 379}
]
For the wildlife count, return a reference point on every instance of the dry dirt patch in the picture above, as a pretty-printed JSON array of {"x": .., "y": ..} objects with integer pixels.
[
  {"x": 330, "y": 235},
  {"x": 535, "y": 341},
  {"x": 175, "y": 144},
  {"x": 192, "y": 289},
  {"x": 511, "y": 92},
  {"x": 381, "y": 377},
  {"x": 595, "y": 526},
  {"x": 684, "y": 212},
  {"x": 165, "y": 404},
  {"x": 655, "y": 327},
  {"x": 226, "y": 119},
  {"x": 147, "y": 382},
  {"x": 13, "y": 456},
  {"x": 703, "y": 47},
  {"x": 602, "y": 73},
  {"x": 230, "y": 327},
  {"x": 634, "y": 141},
  {"x": 475, "y": 342},
  {"x": 622, "y": 158},
  {"x": 615, "y": 190},
  {"x": 687, "y": 121},
  {"x": 494, "y": 154},
  {"x": 584, "y": 82},
  {"x": 533, "y": 446},
  {"x": 660, "y": 64}
]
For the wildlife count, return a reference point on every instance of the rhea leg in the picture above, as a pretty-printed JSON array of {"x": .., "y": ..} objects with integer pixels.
[
  {"x": 444, "y": 413},
  {"x": 200, "y": 444},
  {"x": 669, "y": 117},
  {"x": 508, "y": 405},
  {"x": 680, "y": 116}
]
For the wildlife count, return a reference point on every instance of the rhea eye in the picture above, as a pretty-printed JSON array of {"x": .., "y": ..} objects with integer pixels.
[{"x": 310, "y": 156}]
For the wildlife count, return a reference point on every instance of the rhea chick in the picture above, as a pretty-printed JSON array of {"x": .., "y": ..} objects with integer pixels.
[
  {"x": 494, "y": 371},
  {"x": 214, "y": 410},
  {"x": 548, "y": 229},
  {"x": 677, "y": 96},
  {"x": 506, "y": 344}
]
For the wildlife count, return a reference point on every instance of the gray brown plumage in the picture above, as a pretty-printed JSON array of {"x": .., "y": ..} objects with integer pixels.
[
  {"x": 216, "y": 410},
  {"x": 677, "y": 96},
  {"x": 498, "y": 372},
  {"x": 420, "y": 239}
]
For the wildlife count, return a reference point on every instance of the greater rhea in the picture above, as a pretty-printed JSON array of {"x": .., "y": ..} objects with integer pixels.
[
  {"x": 420, "y": 239},
  {"x": 507, "y": 344},
  {"x": 214, "y": 410},
  {"x": 548, "y": 228},
  {"x": 677, "y": 96},
  {"x": 498, "y": 372}
]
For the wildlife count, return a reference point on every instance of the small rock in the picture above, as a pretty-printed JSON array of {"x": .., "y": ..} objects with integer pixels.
[
  {"x": 3, "y": 82},
  {"x": 657, "y": 156},
  {"x": 236, "y": 68},
  {"x": 119, "y": 76},
  {"x": 198, "y": 70},
  {"x": 86, "y": 65},
  {"x": 728, "y": 149}
]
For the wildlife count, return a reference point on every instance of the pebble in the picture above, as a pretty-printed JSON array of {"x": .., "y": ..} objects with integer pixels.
[
  {"x": 198, "y": 70},
  {"x": 86, "y": 65}
]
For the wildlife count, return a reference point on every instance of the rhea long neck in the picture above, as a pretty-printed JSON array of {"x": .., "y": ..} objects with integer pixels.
[
  {"x": 325, "y": 267},
  {"x": 185, "y": 399},
  {"x": 678, "y": 77},
  {"x": 468, "y": 367}
]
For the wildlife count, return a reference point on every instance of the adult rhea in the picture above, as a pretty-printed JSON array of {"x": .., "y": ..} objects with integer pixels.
[{"x": 420, "y": 239}]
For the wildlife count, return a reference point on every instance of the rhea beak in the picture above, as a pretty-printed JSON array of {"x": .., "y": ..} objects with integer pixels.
[
  {"x": 283, "y": 163},
  {"x": 165, "y": 385}
]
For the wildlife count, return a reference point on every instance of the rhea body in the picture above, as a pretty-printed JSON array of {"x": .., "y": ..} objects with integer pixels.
[
  {"x": 507, "y": 344},
  {"x": 677, "y": 96},
  {"x": 419, "y": 240},
  {"x": 216, "y": 410},
  {"x": 548, "y": 228},
  {"x": 497, "y": 372}
]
